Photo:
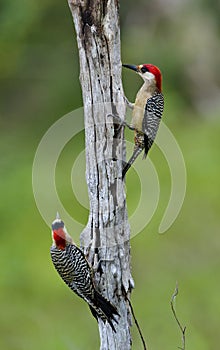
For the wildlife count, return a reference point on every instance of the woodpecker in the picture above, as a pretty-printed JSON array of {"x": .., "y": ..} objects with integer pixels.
[
  {"x": 147, "y": 110},
  {"x": 74, "y": 269}
]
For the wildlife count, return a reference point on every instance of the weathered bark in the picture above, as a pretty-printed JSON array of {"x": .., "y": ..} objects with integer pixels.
[{"x": 105, "y": 239}]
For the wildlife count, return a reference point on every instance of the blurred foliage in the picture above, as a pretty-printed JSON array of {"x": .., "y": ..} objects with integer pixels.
[{"x": 39, "y": 83}]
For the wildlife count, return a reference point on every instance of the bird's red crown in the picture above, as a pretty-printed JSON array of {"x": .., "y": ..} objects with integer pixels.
[
  {"x": 59, "y": 235},
  {"x": 59, "y": 238},
  {"x": 157, "y": 73}
]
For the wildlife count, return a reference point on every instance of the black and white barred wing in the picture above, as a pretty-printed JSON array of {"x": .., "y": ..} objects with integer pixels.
[
  {"x": 151, "y": 121},
  {"x": 75, "y": 270},
  {"x": 83, "y": 279}
]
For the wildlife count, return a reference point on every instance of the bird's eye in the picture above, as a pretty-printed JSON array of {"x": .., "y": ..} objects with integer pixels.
[{"x": 144, "y": 69}]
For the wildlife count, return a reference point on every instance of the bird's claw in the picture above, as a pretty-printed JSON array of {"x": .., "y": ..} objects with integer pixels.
[
  {"x": 128, "y": 103},
  {"x": 117, "y": 119},
  {"x": 120, "y": 121}
]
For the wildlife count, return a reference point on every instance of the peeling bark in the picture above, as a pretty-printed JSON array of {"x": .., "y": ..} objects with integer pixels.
[{"x": 106, "y": 238}]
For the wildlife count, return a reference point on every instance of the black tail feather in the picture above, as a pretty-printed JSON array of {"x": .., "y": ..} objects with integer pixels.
[
  {"x": 135, "y": 154},
  {"x": 104, "y": 309},
  {"x": 125, "y": 169}
]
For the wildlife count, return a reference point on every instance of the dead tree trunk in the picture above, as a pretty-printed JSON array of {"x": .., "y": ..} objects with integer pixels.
[{"x": 105, "y": 239}]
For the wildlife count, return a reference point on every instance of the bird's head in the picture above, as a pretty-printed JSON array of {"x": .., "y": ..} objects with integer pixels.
[
  {"x": 60, "y": 235},
  {"x": 148, "y": 72}
]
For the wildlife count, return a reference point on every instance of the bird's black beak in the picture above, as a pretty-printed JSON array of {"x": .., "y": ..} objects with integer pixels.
[{"x": 131, "y": 66}]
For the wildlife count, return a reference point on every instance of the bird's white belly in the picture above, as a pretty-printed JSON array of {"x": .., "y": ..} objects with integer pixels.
[{"x": 139, "y": 109}]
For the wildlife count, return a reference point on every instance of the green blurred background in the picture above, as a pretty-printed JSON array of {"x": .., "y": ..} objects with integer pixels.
[{"x": 39, "y": 84}]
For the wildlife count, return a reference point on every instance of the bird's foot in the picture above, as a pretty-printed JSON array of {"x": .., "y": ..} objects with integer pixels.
[
  {"x": 120, "y": 121},
  {"x": 116, "y": 119},
  {"x": 128, "y": 103}
]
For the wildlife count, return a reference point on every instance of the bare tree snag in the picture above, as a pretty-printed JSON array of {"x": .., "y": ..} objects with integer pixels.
[{"x": 105, "y": 239}]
